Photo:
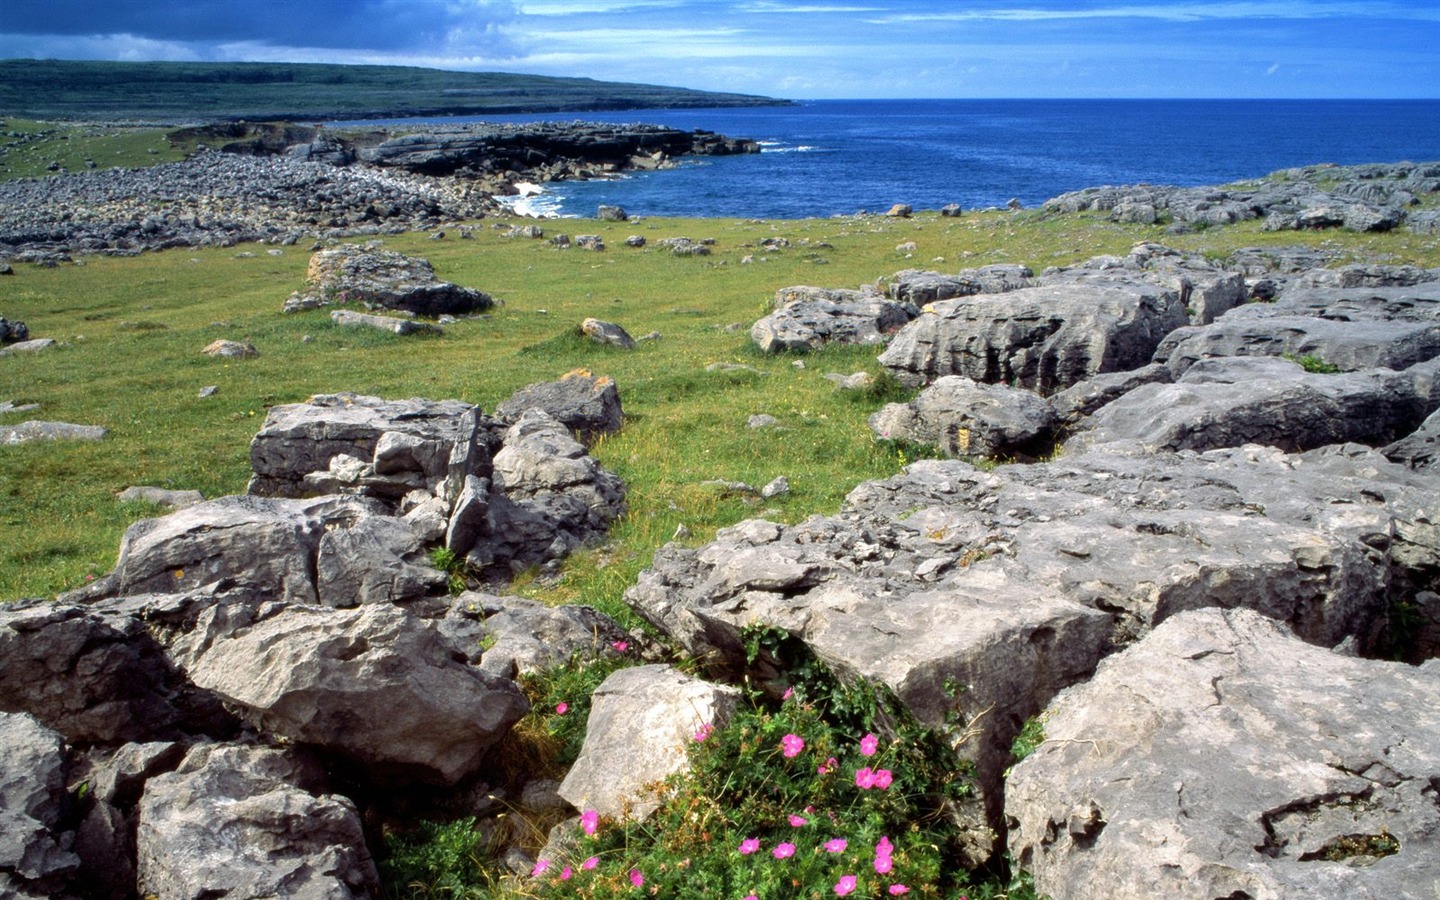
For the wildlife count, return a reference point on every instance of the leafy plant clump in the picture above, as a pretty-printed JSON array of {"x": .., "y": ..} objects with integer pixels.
[{"x": 1314, "y": 364}]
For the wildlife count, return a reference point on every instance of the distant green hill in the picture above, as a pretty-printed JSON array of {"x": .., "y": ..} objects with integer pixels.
[{"x": 183, "y": 92}]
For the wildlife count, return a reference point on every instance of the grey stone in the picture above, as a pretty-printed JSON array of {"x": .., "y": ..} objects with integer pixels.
[
  {"x": 31, "y": 346},
  {"x": 36, "y": 430},
  {"x": 510, "y": 636},
  {"x": 231, "y": 349},
  {"x": 1222, "y": 757},
  {"x": 1348, "y": 346},
  {"x": 249, "y": 822},
  {"x": 377, "y": 559},
  {"x": 1043, "y": 338},
  {"x": 761, "y": 420},
  {"x": 611, "y": 214},
  {"x": 965, "y": 418},
  {"x": 919, "y": 287},
  {"x": 158, "y": 496},
  {"x": 374, "y": 685},
  {"x": 607, "y": 333},
  {"x": 587, "y": 404},
  {"x": 1420, "y": 448},
  {"x": 12, "y": 332},
  {"x": 387, "y": 280},
  {"x": 1078, "y": 401},
  {"x": 350, "y": 319},
  {"x": 35, "y": 847},
  {"x": 808, "y": 318},
  {"x": 778, "y": 487},
  {"x": 641, "y": 721}
]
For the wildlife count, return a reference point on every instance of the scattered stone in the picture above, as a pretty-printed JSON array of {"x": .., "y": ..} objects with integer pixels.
[
  {"x": 683, "y": 246},
  {"x": 607, "y": 333},
  {"x": 383, "y": 279},
  {"x": 350, "y": 319},
  {"x": 30, "y": 346},
  {"x": 533, "y": 232},
  {"x": 900, "y": 211},
  {"x": 779, "y": 487},
  {"x": 641, "y": 721},
  {"x": 950, "y": 211},
  {"x": 761, "y": 420},
  {"x": 1223, "y": 757},
  {"x": 9, "y": 406},
  {"x": 611, "y": 214},
  {"x": 635, "y": 240},
  {"x": 510, "y": 636},
  {"x": 231, "y": 349},
  {"x": 13, "y": 332},
  {"x": 157, "y": 496},
  {"x": 208, "y": 390},
  {"x": 907, "y": 247},
  {"x": 589, "y": 242},
  {"x": 854, "y": 382},
  {"x": 49, "y": 431}
]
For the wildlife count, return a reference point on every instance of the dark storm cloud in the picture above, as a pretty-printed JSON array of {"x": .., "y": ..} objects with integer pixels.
[{"x": 349, "y": 24}]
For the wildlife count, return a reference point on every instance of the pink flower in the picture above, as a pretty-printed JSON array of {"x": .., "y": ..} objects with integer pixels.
[
  {"x": 703, "y": 732},
  {"x": 883, "y": 847},
  {"x": 589, "y": 820},
  {"x": 864, "y": 778},
  {"x": 561, "y": 708},
  {"x": 620, "y": 646},
  {"x": 636, "y": 878},
  {"x": 565, "y": 873},
  {"x": 751, "y": 897},
  {"x": 749, "y": 846},
  {"x": 898, "y": 889},
  {"x": 883, "y": 864},
  {"x": 789, "y": 692},
  {"x": 540, "y": 866},
  {"x": 836, "y": 845},
  {"x": 846, "y": 885},
  {"x": 797, "y": 821},
  {"x": 827, "y": 767},
  {"x": 783, "y": 851},
  {"x": 590, "y": 863},
  {"x": 869, "y": 744},
  {"x": 883, "y": 778},
  {"x": 792, "y": 744}
]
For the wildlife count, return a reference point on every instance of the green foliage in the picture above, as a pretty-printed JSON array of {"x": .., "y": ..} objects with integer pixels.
[
  {"x": 1031, "y": 736},
  {"x": 457, "y": 571},
  {"x": 435, "y": 860},
  {"x": 560, "y": 699},
  {"x": 1314, "y": 364}
]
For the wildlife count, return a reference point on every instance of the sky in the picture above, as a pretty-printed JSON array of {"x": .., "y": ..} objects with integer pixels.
[{"x": 796, "y": 49}]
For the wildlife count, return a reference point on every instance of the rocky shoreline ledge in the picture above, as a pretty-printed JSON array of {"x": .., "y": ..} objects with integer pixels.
[{"x": 281, "y": 185}]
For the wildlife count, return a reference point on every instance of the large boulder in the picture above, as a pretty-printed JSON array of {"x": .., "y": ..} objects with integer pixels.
[
  {"x": 1043, "y": 338},
  {"x": 1230, "y": 401},
  {"x": 1343, "y": 345},
  {"x": 36, "y": 859},
  {"x": 921, "y": 286},
  {"x": 249, "y": 822},
  {"x": 641, "y": 721},
  {"x": 1014, "y": 583},
  {"x": 965, "y": 418},
  {"x": 808, "y": 318},
  {"x": 384, "y": 279},
  {"x": 1223, "y": 757},
  {"x": 376, "y": 686},
  {"x": 1206, "y": 290}
]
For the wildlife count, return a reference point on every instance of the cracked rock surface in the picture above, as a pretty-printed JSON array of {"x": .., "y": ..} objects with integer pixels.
[{"x": 1273, "y": 769}]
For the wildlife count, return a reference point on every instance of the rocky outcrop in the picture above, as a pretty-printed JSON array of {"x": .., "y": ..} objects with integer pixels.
[
  {"x": 1016, "y": 582},
  {"x": 588, "y": 404},
  {"x": 13, "y": 332},
  {"x": 511, "y": 636},
  {"x": 383, "y": 279},
  {"x": 1044, "y": 338},
  {"x": 36, "y": 856},
  {"x": 607, "y": 334},
  {"x": 808, "y": 318},
  {"x": 1223, "y": 757},
  {"x": 249, "y": 822},
  {"x": 965, "y": 418},
  {"x": 921, "y": 286}
]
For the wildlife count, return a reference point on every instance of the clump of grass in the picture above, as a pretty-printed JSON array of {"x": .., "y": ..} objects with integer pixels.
[{"x": 1314, "y": 364}]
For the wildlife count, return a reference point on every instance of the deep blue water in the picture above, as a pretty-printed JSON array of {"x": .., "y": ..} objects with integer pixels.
[{"x": 833, "y": 157}]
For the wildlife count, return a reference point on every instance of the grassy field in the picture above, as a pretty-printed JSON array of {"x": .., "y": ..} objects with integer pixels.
[
  {"x": 192, "y": 91},
  {"x": 131, "y": 332}
]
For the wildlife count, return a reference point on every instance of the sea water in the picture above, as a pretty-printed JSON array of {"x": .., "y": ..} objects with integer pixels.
[{"x": 837, "y": 157}]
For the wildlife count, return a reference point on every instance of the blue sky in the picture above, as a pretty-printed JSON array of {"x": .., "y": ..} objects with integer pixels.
[{"x": 801, "y": 49}]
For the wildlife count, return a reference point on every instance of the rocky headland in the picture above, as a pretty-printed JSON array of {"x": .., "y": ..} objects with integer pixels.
[
  {"x": 280, "y": 185},
  {"x": 1181, "y": 518}
]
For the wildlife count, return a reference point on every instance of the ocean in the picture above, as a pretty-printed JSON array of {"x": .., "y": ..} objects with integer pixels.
[{"x": 836, "y": 157}]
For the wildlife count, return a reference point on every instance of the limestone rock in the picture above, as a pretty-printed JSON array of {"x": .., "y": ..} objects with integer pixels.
[
  {"x": 35, "y": 854},
  {"x": 611, "y": 214},
  {"x": 388, "y": 280},
  {"x": 375, "y": 685},
  {"x": 1222, "y": 757},
  {"x": 521, "y": 636},
  {"x": 1420, "y": 448},
  {"x": 642, "y": 720},
  {"x": 249, "y": 822},
  {"x": 157, "y": 496},
  {"x": 607, "y": 333},
  {"x": 965, "y": 418},
  {"x": 36, "y": 430},
  {"x": 587, "y": 404},
  {"x": 809, "y": 318},
  {"x": 1078, "y": 401},
  {"x": 348, "y": 318},
  {"x": 1043, "y": 338},
  {"x": 919, "y": 287},
  {"x": 231, "y": 349}
]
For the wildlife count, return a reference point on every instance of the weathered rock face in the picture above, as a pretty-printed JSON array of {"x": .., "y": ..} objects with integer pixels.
[
  {"x": 13, "y": 332},
  {"x": 1227, "y": 402},
  {"x": 919, "y": 286},
  {"x": 520, "y": 636},
  {"x": 1078, "y": 401},
  {"x": 587, "y": 404},
  {"x": 1205, "y": 289},
  {"x": 1222, "y": 757},
  {"x": 1420, "y": 448},
  {"x": 1043, "y": 338},
  {"x": 35, "y": 853},
  {"x": 249, "y": 822},
  {"x": 1014, "y": 583},
  {"x": 641, "y": 721},
  {"x": 607, "y": 333},
  {"x": 808, "y": 318},
  {"x": 36, "y": 430},
  {"x": 384, "y": 279},
  {"x": 376, "y": 685},
  {"x": 964, "y": 418}
]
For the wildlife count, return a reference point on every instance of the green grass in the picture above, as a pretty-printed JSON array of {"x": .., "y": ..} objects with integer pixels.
[{"x": 131, "y": 332}]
